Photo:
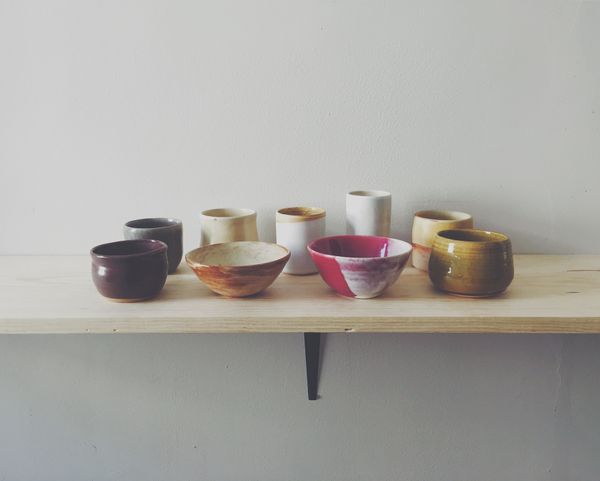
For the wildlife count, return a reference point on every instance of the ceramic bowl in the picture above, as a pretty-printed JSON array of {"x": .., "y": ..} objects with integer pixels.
[
  {"x": 130, "y": 270},
  {"x": 471, "y": 262},
  {"x": 238, "y": 269},
  {"x": 359, "y": 266},
  {"x": 426, "y": 224},
  {"x": 168, "y": 230}
]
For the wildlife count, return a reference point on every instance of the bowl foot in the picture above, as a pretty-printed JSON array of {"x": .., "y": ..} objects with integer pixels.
[
  {"x": 125, "y": 300},
  {"x": 474, "y": 296}
]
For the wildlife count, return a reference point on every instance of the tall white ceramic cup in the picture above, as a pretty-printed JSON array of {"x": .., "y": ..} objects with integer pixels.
[
  {"x": 296, "y": 227},
  {"x": 227, "y": 225},
  {"x": 368, "y": 212}
]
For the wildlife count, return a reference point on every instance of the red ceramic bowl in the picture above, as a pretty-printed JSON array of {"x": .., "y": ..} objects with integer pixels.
[{"x": 360, "y": 266}]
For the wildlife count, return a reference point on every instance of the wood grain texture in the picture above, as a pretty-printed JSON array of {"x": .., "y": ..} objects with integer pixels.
[{"x": 550, "y": 294}]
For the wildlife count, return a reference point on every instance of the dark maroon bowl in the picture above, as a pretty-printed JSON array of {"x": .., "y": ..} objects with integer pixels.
[{"x": 130, "y": 270}]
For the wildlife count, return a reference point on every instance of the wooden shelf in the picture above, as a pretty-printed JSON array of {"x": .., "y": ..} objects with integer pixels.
[{"x": 550, "y": 294}]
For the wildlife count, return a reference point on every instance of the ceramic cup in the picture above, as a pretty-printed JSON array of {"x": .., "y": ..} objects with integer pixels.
[
  {"x": 130, "y": 270},
  {"x": 426, "y": 224},
  {"x": 168, "y": 230},
  {"x": 368, "y": 212},
  {"x": 471, "y": 262},
  {"x": 296, "y": 227},
  {"x": 228, "y": 225}
]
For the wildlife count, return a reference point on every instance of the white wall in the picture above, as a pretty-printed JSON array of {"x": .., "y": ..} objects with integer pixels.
[{"x": 120, "y": 109}]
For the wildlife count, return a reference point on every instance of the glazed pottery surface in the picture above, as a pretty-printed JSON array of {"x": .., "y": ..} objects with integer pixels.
[
  {"x": 426, "y": 224},
  {"x": 228, "y": 225},
  {"x": 130, "y": 270},
  {"x": 238, "y": 269},
  {"x": 359, "y": 266},
  {"x": 471, "y": 262},
  {"x": 296, "y": 227},
  {"x": 368, "y": 212},
  {"x": 167, "y": 230}
]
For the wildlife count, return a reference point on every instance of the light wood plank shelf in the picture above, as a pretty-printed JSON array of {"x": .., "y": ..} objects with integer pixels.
[{"x": 550, "y": 294}]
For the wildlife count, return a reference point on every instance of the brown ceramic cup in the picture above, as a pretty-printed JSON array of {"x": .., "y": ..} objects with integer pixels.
[{"x": 471, "y": 262}]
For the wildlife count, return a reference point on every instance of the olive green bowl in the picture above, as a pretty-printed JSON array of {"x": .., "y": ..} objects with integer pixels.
[{"x": 471, "y": 262}]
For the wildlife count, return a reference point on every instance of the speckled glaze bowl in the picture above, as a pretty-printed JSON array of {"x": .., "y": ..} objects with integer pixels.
[
  {"x": 471, "y": 262},
  {"x": 130, "y": 270},
  {"x": 359, "y": 266},
  {"x": 238, "y": 269},
  {"x": 168, "y": 230}
]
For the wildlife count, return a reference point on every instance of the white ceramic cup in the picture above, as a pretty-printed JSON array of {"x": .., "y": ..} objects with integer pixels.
[
  {"x": 227, "y": 225},
  {"x": 368, "y": 212},
  {"x": 296, "y": 227}
]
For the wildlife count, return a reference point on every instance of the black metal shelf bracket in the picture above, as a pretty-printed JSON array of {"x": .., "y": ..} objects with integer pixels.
[{"x": 312, "y": 347}]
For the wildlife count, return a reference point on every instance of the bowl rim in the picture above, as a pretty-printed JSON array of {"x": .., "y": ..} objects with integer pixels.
[
  {"x": 156, "y": 246},
  {"x": 170, "y": 222},
  {"x": 503, "y": 238},
  {"x": 195, "y": 264},
  {"x": 311, "y": 249}
]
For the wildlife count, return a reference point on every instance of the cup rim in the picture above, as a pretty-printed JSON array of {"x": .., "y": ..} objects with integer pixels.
[
  {"x": 451, "y": 235},
  {"x": 153, "y": 247},
  {"x": 297, "y": 214},
  {"x": 442, "y": 215},
  {"x": 369, "y": 193},
  {"x": 407, "y": 246},
  {"x": 234, "y": 213},
  {"x": 169, "y": 223}
]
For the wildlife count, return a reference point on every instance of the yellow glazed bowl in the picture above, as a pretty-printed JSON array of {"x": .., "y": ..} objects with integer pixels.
[{"x": 471, "y": 262}]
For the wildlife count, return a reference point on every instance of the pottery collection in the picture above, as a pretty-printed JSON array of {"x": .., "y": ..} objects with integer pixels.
[
  {"x": 169, "y": 231},
  {"x": 368, "y": 212},
  {"x": 228, "y": 225},
  {"x": 426, "y": 224},
  {"x": 295, "y": 228},
  {"x": 471, "y": 262},
  {"x": 359, "y": 266},
  {"x": 362, "y": 264},
  {"x": 238, "y": 269},
  {"x": 130, "y": 270}
]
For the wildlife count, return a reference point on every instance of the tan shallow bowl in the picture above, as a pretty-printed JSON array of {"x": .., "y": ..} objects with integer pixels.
[{"x": 238, "y": 269}]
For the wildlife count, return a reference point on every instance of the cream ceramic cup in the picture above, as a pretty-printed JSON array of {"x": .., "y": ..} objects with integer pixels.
[
  {"x": 227, "y": 225},
  {"x": 296, "y": 227},
  {"x": 426, "y": 224},
  {"x": 368, "y": 212}
]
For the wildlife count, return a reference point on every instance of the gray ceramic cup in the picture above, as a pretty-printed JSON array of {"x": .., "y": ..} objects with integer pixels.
[{"x": 167, "y": 230}]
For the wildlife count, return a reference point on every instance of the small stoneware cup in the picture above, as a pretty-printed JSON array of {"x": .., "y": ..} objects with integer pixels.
[
  {"x": 296, "y": 227},
  {"x": 130, "y": 270},
  {"x": 426, "y": 224},
  {"x": 228, "y": 225},
  {"x": 368, "y": 212},
  {"x": 170, "y": 231},
  {"x": 471, "y": 262}
]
